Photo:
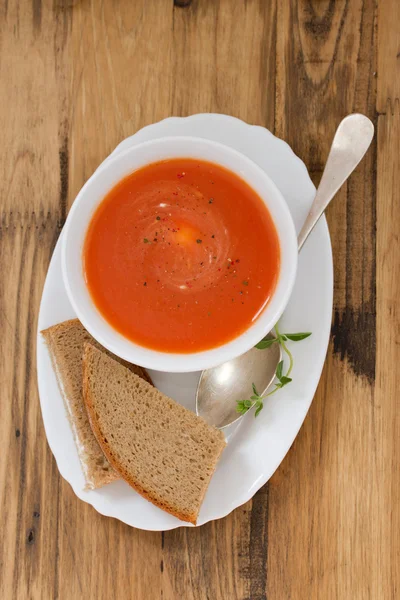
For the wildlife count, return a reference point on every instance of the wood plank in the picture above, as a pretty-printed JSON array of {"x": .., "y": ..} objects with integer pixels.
[
  {"x": 121, "y": 67},
  {"x": 28, "y": 473},
  {"x": 221, "y": 48},
  {"x": 388, "y": 53},
  {"x": 33, "y": 95},
  {"x": 387, "y": 434},
  {"x": 323, "y": 499}
]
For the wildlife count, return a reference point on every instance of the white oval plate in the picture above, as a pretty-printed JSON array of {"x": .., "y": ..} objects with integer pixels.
[{"x": 256, "y": 447}]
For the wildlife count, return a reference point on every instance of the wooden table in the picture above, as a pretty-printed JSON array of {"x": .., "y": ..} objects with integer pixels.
[{"x": 76, "y": 77}]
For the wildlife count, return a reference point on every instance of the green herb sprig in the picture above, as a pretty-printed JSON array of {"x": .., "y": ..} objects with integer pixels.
[{"x": 256, "y": 399}]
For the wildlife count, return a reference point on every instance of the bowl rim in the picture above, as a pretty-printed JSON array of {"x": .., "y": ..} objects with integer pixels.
[{"x": 195, "y": 361}]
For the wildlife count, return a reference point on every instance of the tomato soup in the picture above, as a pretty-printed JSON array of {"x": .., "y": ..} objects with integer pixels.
[{"x": 181, "y": 256}]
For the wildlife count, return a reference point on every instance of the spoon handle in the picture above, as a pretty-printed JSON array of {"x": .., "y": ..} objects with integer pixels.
[{"x": 352, "y": 139}]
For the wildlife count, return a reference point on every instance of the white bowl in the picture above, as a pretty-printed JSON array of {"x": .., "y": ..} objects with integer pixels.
[{"x": 92, "y": 194}]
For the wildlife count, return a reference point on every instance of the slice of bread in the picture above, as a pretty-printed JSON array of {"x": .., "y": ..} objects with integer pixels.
[
  {"x": 164, "y": 451},
  {"x": 66, "y": 344}
]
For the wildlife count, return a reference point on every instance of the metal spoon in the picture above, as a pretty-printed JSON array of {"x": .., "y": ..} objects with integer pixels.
[{"x": 219, "y": 388}]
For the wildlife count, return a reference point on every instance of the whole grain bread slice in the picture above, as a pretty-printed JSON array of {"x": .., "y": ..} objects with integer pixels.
[
  {"x": 164, "y": 451},
  {"x": 65, "y": 342}
]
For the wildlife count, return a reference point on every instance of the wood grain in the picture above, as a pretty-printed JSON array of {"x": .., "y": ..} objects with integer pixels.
[
  {"x": 388, "y": 53},
  {"x": 77, "y": 76},
  {"x": 387, "y": 432}
]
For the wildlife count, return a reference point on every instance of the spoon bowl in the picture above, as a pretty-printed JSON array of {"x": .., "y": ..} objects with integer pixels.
[{"x": 221, "y": 387}]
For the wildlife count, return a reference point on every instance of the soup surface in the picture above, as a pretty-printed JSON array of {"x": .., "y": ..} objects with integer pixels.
[{"x": 181, "y": 256}]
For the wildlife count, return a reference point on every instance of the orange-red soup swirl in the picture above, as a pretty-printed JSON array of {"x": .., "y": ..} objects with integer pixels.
[{"x": 181, "y": 256}]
